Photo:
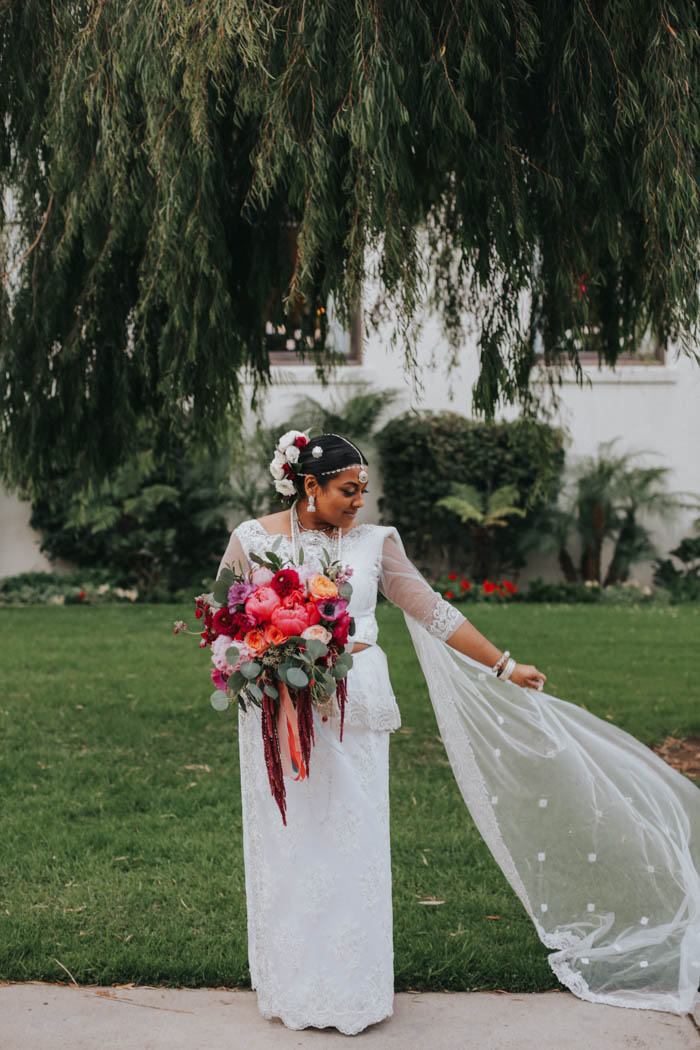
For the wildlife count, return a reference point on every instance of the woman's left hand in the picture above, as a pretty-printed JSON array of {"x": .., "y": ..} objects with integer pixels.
[{"x": 528, "y": 676}]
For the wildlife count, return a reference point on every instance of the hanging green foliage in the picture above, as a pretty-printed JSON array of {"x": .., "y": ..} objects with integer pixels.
[{"x": 477, "y": 156}]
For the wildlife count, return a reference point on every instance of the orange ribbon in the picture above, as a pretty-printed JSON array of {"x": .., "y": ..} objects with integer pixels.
[{"x": 288, "y": 735}]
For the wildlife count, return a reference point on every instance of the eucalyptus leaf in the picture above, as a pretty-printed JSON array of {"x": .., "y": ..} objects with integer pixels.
[
  {"x": 236, "y": 681},
  {"x": 255, "y": 691},
  {"x": 232, "y": 654},
  {"x": 301, "y": 556},
  {"x": 226, "y": 576},
  {"x": 345, "y": 590},
  {"x": 250, "y": 669},
  {"x": 316, "y": 648},
  {"x": 221, "y": 589},
  {"x": 277, "y": 542},
  {"x": 298, "y": 678},
  {"x": 271, "y": 691},
  {"x": 218, "y": 700}
]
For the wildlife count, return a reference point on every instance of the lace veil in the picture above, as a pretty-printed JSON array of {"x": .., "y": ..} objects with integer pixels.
[{"x": 599, "y": 838}]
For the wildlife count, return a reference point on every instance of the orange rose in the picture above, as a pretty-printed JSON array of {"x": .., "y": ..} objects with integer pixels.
[
  {"x": 321, "y": 587},
  {"x": 255, "y": 640},
  {"x": 273, "y": 635}
]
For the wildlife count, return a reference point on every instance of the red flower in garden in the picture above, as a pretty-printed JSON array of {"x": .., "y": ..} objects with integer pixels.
[
  {"x": 465, "y": 585},
  {"x": 453, "y": 576},
  {"x": 510, "y": 587},
  {"x": 489, "y": 587},
  {"x": 82, "y": 595},
  {"x": 449, "y": 594},
  {"x": 285, "y": 581}
]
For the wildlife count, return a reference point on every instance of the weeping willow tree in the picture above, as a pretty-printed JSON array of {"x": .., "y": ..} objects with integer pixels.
[{"x": 530, "y": 164}]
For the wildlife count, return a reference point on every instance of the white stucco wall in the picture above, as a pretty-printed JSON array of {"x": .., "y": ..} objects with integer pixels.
[{"x": 19, "y": 544}]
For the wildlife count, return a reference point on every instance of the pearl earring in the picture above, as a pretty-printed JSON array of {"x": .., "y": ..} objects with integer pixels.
[{"x": 311, "y": 505}]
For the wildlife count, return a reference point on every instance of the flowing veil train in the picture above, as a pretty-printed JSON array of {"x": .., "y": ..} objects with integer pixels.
[{"x": 599, "y": 838}]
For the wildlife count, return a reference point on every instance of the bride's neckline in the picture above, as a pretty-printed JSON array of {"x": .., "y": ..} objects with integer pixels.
[{"x": 318, "y": 532}]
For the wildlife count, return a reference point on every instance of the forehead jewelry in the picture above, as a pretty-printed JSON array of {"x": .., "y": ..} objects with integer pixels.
[{"x": 317, "y": 452}]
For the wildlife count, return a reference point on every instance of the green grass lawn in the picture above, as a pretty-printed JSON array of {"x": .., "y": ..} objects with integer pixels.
[{"x": 121, "y": 852}]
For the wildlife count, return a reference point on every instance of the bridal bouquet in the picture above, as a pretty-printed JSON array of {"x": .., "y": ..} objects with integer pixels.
[{"x": 277, "y": 638}]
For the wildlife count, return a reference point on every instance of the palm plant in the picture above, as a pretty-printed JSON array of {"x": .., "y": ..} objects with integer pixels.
[{"x": 483, "y": 512}]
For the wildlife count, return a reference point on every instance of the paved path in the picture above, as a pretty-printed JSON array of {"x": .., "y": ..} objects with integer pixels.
[{"x": 40, "y": 1016}]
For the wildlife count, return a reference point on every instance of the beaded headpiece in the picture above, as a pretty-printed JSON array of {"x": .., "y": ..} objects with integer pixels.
[{"x": 285, "y": 462}]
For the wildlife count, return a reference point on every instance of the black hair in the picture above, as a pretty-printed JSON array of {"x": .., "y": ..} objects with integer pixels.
[{"x": 338, "y": 452}]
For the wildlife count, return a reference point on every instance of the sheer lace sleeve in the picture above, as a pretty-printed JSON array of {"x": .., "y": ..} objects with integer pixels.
[
  {"x": 234, "y": 553},
  {"x": 401, "y": 582}
]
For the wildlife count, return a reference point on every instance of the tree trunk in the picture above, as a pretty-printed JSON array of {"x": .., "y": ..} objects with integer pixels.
[{"x": 567, "y": 566}]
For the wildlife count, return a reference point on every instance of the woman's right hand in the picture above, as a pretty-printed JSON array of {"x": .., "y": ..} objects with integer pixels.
[{"x": 528, "y": 676}]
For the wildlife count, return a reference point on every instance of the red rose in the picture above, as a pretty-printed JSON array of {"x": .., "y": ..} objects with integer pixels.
[
  {"x": 313, "y": 613},
  {"x": 285, "y": 581},
  {"x": 489, "y": 587},
  {"x": 465, "y": 585},
  {"x": 300, "y": 441},
  {"x": 341, "y": 628},
  {"x": 453, "y": 576},
  {"x": 449, "y": 594},
  {"x": 241, "y": 623},
  {"x": 510, "y": 587}
]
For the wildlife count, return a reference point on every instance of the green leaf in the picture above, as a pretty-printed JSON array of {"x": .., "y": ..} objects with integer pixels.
[
  {"x": 298, "y": 678},
  {"x": 218, "y": 700},
  {"x": 255, "y": 691},
  {"x": 221, "y": 589},
  {"x": 345, "y": 591},
  {"x": 316, "y": 648},
  {"x": 250, "y": 669},
  {"x": 226, "y": 576},
  {"x": 232, "y": 654},
  {"x": 236, "y": 681},
  {"x": 271, "y": 691},
  {"x": 301, "y": 556}
]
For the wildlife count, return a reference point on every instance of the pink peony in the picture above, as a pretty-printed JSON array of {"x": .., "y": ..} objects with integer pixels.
[
  {"x": 292, "y": 620},
  {"x": 261, "y": 604},
  {"x": 317, "y": 632},
  {"x": 261, "y": 576}
]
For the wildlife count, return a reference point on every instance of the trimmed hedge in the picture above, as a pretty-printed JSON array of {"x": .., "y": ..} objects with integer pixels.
[{"x": 420, "y": 456}]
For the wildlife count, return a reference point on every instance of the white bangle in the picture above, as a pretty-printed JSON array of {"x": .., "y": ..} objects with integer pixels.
[
  {"x": 500, "y": 662},
  {"x": 509, "y": 668}
]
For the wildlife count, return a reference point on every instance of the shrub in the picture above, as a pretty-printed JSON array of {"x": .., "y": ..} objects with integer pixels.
[
  {"x": 421, "y": 456},
  {"x": 682, "y": 584}
]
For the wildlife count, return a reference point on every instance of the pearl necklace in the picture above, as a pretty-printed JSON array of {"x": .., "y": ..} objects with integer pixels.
[{"x": 298, "y": 528}]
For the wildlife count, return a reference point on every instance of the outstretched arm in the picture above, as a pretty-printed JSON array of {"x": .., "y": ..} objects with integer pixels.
[{"x": 402, "y": 583}]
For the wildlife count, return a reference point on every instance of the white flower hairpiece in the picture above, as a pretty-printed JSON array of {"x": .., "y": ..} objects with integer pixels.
[{"x": 284, "y": 462}]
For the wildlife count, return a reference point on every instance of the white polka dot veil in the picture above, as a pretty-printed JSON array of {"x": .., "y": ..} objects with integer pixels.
[{"x": 599, "y": 838}]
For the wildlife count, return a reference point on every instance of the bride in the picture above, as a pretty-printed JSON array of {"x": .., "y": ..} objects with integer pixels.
[{"x": 598, "y": 837}]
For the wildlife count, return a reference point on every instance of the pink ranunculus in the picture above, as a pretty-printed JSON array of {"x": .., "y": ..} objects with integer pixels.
[
  {"x": 317, "y": 632},
  {"x": 261, "y": 604},
  {"x": 292, "y": 620},
  {"x": 261, "y": 576}
]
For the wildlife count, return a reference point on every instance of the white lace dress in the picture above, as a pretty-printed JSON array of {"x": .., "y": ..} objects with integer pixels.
[{"x": 318, "y": 890}]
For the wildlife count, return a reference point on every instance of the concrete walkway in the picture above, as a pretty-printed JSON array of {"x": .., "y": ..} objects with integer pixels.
[{"x": 40, "y": 1016}]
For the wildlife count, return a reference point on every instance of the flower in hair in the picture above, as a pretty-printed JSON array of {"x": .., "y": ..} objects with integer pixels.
[{"x": 317, "y": 451}]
